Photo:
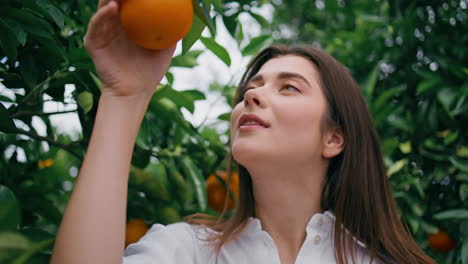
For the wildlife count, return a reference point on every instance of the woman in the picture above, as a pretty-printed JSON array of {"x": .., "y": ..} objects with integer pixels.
[{"x": 313, "y": 187}]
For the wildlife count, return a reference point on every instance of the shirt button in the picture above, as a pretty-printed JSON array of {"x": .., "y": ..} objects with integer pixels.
[
  {"x": 320, "y": 222},
  {"x": 317, "y": 239}
]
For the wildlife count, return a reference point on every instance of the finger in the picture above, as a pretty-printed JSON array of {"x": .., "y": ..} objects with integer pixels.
[{"x": 101, "y": 23}]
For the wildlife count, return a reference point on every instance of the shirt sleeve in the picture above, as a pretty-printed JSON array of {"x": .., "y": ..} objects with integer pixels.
[{"x": 171, "y": 244}]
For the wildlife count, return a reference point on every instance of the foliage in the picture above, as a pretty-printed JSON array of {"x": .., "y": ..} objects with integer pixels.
[
  {"x": 42, "y": 53},
  {"x": 410, "y": 59},
  {"x": 408, "y": 56}
]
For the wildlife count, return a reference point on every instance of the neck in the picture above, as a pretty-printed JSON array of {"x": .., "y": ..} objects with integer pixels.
[{"x": 285, "y": 205}]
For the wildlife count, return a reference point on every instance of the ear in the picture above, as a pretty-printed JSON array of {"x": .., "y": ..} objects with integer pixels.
[{"x": 333, "y": 143}]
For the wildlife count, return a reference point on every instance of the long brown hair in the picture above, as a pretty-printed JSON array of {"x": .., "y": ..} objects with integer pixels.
[{"x": 356, "y": 187}]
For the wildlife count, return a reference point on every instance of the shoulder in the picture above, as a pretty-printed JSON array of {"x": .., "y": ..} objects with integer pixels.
[{"x": 163, "y": 243}]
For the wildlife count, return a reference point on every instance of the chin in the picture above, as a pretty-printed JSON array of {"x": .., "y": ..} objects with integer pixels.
[{"x": 245, "y": 155}]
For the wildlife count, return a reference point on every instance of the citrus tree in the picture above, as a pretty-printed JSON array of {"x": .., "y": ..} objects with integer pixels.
[
  {"x": 41, "y": 58},
  {"x": 410, "y": 59}
]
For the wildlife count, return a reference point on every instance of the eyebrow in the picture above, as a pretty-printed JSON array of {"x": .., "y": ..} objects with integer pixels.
[{"x": 281, "y": 75}]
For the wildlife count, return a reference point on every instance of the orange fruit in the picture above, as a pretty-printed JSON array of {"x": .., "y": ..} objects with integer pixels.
[
  {"x": 441, "y": 241},
  {"x": 45, "y": 163},
  {"x": 156, "y": 24},
  {"x": 134, "y": 230},
  {"x": 217, "y": 192}
]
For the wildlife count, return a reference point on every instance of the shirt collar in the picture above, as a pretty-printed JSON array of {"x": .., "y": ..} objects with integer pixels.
[
  {"x": 323, "y": 221},
  {"x": 319, "y": 219}
]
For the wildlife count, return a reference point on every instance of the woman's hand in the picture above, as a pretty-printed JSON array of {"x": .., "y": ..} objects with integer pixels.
[{"x": 124, "y": 68}]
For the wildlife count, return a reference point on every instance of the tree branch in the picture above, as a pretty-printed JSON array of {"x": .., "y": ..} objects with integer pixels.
[
  {"x": 32, "y": 113},
  {"x": 68, "y": 147}
]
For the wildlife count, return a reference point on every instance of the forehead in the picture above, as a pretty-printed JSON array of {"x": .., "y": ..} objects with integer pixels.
[{"x": 291, "y": 63}]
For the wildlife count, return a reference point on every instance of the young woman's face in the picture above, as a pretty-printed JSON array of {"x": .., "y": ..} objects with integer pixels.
[{"x": 285, "y": 93}]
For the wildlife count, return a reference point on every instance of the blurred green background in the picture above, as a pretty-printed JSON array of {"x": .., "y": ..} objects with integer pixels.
[{"x": 409, "y": 57}]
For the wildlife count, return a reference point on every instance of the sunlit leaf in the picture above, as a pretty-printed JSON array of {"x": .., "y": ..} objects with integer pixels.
[
  {"x": 255, "y": 45},
  {"x": 202, "y": 10},
  {"x": 452, "y": 214},
  {"x": 193, "y": 35},
  {"x": 461, "y": 164},
  {"x": 217, "y": 49},
  {"x": 197, "y": 181}
]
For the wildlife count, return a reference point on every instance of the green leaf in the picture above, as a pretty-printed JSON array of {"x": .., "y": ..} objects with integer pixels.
[
  {"x": 53, "y": 12},
  {"x": 96, "y": 80},
  {"x": 188, "y": 59},
  {"x": 255, "y": 45},
  {"x": 25, "y": 257},
  {"x": 450, "y": 138},
  {"x": 260, "y": 19},
  {"x": 6, "y": 122},
  {"x": 153, "y": 185},
  {"x": 427, "y": 84},
  {"x": 463, "y": 192},
  {"x": 428, "y": 227},
  {"x": 405, "y": 147},
  {"x": 446, "y": 97},
  {"x": 10, "y": 214},
  {"x": 13, "y": 240},
  {"x": 464, "y": 252},
  {"x": 217, "y": 49},
  {"x": 184, "y": 61},
  {"x": 170, "y": 78},
  {"x": 369, "y": 85},
  {"x": 169, "y": 215},
  {"x": 218, "y": 5},
  {"x": 180, "y": 98},
  {"x": 31, "y": 23},
  {"x": 16, "y": 29},
  {"x": 85, "y": 101},
  {"x": 383, "y": 99},
  {"x": 195, "y": 94},
  {"x": 458, "y": 214},
  {"x": 462, "y": 152},
  {"x": 203, "y": 12},
  {"x": 180, "y": 187},
  {"x": 371, "y": 18},
  {"x": 8, "y": 45},
  {"x": 231, "y": 23},
  {"x": 6, "y": 99},
  {"x": 396, "y": 167},
  {"x": 196, "y": 179},
  {"x": 459, "y": 163},
  {"x": 225, "y": 116},
  {"x": 193, "y": 35},
  {"x": 413, "y": 223}
]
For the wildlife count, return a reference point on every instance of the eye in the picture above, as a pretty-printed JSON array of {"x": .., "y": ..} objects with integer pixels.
[{"x": 290, "y": 86}]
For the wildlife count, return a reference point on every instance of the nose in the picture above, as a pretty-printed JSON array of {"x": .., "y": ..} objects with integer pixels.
[{"x": 253, "y": 97}]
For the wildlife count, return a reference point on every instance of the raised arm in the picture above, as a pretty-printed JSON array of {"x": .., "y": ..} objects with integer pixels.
[{"x": 93, "y": 226}]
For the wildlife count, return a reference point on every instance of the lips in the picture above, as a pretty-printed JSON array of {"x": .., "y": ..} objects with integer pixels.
[{"x": 252, "y": 117}]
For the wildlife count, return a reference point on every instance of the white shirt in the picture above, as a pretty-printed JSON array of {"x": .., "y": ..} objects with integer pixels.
[{"x": 180, "y": 243}]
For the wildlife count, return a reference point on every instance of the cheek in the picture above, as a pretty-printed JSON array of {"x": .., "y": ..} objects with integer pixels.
[
  {"x": 300, "y": 124},
  {"x": 235, "y": 113},
  {"x": 301, "y": 114},
  {"x": 235, "y": 116}
]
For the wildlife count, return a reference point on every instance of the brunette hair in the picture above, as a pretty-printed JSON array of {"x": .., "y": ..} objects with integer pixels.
[{"x": 356, "y": 187}]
